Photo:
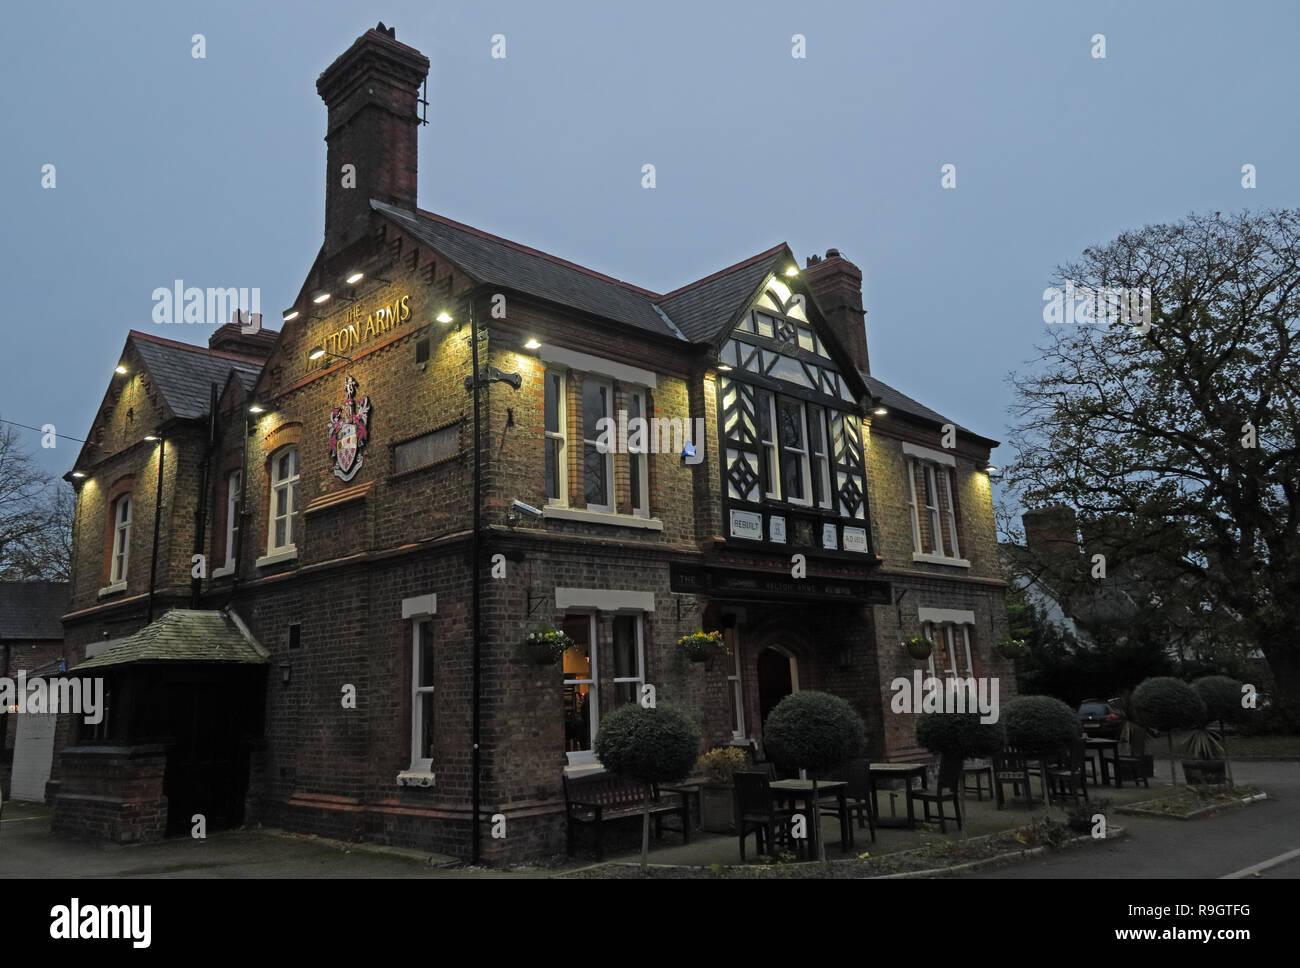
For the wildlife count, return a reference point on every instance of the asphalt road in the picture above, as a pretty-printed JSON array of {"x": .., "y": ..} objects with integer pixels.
[{"x": 1232, "y": 842}]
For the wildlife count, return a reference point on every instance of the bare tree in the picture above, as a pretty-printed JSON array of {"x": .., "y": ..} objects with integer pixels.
[
  {"x": 35, "y": 516},
  {"x": 1179, "y": 444}
]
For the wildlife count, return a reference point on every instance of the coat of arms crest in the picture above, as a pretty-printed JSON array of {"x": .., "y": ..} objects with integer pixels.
[{"x": 349, "y": 431}]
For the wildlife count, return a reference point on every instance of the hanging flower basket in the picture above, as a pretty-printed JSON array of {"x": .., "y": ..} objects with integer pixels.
[
  {"x": 701, "y": 646},
  {"x": 548, "y": 646},
  {"x": 1010, "y": 648},
  {"x": 919, "y": 647}
]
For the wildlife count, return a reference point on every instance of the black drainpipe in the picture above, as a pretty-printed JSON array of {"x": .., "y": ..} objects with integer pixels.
[
  {"x": 157, "y": 524},
  {"x": 241, "y": 511},
  {"x": 201, "y": 509}
]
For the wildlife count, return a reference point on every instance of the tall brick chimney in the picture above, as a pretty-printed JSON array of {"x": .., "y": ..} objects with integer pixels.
[
  {"x": 371, "y": 93},
  {"x": 1053, "y": 528},
  {"x": 837, "y": 283}
]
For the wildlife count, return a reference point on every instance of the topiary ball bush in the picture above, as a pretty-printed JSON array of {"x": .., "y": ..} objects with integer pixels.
[
  {"x": 657, "y": 745},
  {"x": 1222, "y": 698},
  {"x": 1166, "y": 704},
  {"x": 959, "y": 734},
  {"x": 813, "y": 731},
  {"x": 1040, "y": 724}
]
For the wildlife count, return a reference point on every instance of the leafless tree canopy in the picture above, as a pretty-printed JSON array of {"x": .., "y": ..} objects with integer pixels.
[
  {"x": 1149, "y": 435},
  {"x": 35, "y": 515}
]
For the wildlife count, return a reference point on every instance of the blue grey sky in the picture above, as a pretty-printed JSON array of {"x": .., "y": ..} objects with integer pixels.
[{"x": 212, "y": 170}]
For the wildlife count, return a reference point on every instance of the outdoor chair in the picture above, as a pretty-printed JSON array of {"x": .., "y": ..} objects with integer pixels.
[
  {"x": 756, "y": 812},
  {"x": 1134, "y": 765},
  {"x": 1011, "y": 767},
  {"x": 947, "y": 789},
  {"x": 1067, "y": 778},
  {"x": 979, "y": 771},
  {"x": 858, "y": 775}
]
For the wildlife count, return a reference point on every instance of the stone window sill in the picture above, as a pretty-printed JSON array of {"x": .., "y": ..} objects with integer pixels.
[
  {"x": 113, "y": 589},
  {"x": 289, "y": 554},
  {"x": 223, "y": 571},
  {"x": 415, "y": 778},
  {"x": 603, "y": 517},
  {"x": 940, "y": 560}
]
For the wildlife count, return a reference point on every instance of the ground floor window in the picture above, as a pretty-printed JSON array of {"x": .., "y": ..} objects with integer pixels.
[
  {"x": 581, "y": 705},
  {"x": 629, "y": 658},
  {"x": 422, "y": 696},
  {"x": 951, "y": 655},
  {"x": 735, "y": 692}
]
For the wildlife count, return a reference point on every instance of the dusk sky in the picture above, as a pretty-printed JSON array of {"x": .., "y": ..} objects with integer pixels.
[{"x": 212, "y": 170}]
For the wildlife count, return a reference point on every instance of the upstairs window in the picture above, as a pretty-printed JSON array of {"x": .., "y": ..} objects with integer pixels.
[
  {"x": 637, "y": 464},
  {"x": 795, "y": 482},
  {"x": 234, "y": 483},
  {"x": 932, "y": 510},
  {"x": 598, "y": 468},
  {"x": 284, "y": 502},
  {"x": 121, "y": 539}
]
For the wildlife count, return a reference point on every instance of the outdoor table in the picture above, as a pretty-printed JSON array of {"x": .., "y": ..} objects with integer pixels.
[
  {"x": 688, "y": 791},
  {"x": 1101, "y": 745},
  {"x": 895, "y": 771},
  {"x": 792, "y": 790}
]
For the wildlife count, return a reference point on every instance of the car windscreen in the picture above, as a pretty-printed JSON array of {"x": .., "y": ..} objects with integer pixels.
[{"x": 1093, "y": 709}]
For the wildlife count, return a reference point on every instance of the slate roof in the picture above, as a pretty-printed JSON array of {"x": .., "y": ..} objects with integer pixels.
[
  {"x": 183, "y": 371},
  {"x": 498, "y": 261},
  {"x": 701, "y": 309},
  {"x": 902, "y": 403},
  {"x": 33, "y": 609},
  {"x": 183, "y": 635}
]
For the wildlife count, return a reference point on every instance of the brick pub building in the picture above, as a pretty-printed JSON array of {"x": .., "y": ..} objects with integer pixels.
[{"x": 319, "y": 674}]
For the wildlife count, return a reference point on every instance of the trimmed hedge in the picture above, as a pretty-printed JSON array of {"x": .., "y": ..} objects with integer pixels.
[
  {"x": 813, "y": 731},
  {"x": 959, "y": 734},
  {"x": 1222, "y": 698},
  {"x": 1040, "y": 724},
  {"x": 657, "y": 745},
  {"x": 1166, "y": 704}
]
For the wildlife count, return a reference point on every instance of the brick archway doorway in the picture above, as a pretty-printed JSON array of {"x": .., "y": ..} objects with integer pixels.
[{"x": 778, "y": 676}]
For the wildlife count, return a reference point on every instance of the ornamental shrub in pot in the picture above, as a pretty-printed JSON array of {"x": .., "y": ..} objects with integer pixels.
[
  {"x": 717, "y": 794},
  {"x": 961, "y": 735},
  {"x": 659, "y": 744},
  {"x": 1166, "y": 704}
]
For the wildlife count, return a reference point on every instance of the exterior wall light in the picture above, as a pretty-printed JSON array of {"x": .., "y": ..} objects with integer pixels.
[
  {"x": 120, "y": 370},
  {"x": 290, "y": 315},
  {"x": 532, "y": 344},
  {"x": 255, "y": 408},
  {"x": 78, "y": 474},
  {"x": 443, "y": 317},
  {"x": 990, "y": 470},
  {"x": 320, "y": 297},
  {"x": 880, "y": 411},
  {"x": 355, "y": 277}
]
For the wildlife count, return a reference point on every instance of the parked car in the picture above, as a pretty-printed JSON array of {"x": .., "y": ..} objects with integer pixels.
[{"x": 1101, "y": 719}]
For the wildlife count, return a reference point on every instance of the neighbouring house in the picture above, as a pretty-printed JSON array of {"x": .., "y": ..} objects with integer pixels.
[
  {"x": 312, "y": 611},
  {"x": 31, "y": 646}
]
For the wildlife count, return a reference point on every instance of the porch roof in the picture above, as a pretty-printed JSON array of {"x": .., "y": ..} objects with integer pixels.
[{"x": 185, "y": 635}]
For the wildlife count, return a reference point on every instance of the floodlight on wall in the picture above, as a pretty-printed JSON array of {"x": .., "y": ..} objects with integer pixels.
[
  {"x": 443, "y": 317},
  {"x": 880, "y": 411},
  {"x": 990, "y": 470},
  {"x": 533, "y": 344},
  {"x": 792, "y": 271},
  {"x": 290, "y": 315},
  {"x": 152, "y": 438},
  {"x": 120, "y": 370},
  {"x": 318, "y": 351},
  {"x": 321, "y": 297},
  {"x": 257, "y": 408},
  {"x": 355, "y": 277},
  {"x": 724, "y": 367},
  {"x": 78, "y": 474}
]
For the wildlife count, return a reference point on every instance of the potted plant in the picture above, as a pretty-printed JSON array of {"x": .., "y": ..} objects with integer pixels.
[
  {"x": 1012, "y": 648},
  {"x": 919, "y": 647},
  {"x": 1166, "y": 704},
  {"x": 701, "y": 646},
  {"x": 658, "y": 744},
  {"x": 717, "y": 796},
  {"x": 1208, "y": 748},
  {"x": 813, "y": 731},
  {"x": 1040, "y": 726},
  {"x": 547, "y": 646}
]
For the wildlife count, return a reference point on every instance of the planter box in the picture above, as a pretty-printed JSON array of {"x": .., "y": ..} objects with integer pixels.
[
  {"x": 1205, "y": 772},
  {"x": 717, "y": 809}
]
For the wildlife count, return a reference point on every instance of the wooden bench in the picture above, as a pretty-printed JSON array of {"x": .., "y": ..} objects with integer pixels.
[{"x": 605, "y": 796}]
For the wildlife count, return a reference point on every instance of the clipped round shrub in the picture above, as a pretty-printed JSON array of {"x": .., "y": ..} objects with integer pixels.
[
  {"x": 813, "y": 731},
  {"x": 959, "y": 734},
  {"x": 1039, "y": 724},
  {"x": 1222, "y": 697},
  {"x": 1166, "y": 704},
  {"x": 657, "y": 745}
]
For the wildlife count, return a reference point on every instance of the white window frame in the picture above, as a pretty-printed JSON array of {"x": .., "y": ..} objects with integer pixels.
[
  {"x": 737, "y": 687},
  {"x": 234, "y": 486},
  {"x": 806, "y": 500},
  {"x": 121, "y": 560},
  {"x": 912, "y": 506},
  {"x": 289, "y": 484},
  {"x": 932, "y": 510},
  {"x": 608, "y": 387},
  {"x": 419, "y": 764},
  {"x": 593, "y": 695},
  {"x": 562, "y": 435},
  {"x": 822, "y": 458},
  {"x": 949, "y": 632},
  {"x": 639, "y": 679},
  {"x": 952, "y": 514},
  {"x": 640, "y": 474}
]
